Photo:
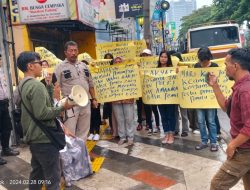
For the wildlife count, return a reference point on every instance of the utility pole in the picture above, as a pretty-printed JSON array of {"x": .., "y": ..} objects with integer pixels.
[
  {"x": 146, "y": 25},
  {"x": 4, "y": 46}
]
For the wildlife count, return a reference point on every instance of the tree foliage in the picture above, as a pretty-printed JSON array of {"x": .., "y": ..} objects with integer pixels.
[
  {"x": 199, "y": 16},
  {"x": 220, "y": 10}
]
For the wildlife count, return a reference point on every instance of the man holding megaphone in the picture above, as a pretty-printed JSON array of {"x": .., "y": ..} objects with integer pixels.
[{"x": 70, "y": 73}]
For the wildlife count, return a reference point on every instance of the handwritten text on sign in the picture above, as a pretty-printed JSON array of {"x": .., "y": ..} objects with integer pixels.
[
  {"x": 194, "y": 91},
  {"x": 117, "y": 83},
  {"x": 159, "y": 86},
  {"x": 125, "y": 49}
]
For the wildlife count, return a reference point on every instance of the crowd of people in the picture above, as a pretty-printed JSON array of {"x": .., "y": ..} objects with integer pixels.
[{"x": 40, "y": 99}]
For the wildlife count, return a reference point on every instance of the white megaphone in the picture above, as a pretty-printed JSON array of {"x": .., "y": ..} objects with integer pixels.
[{"x": 78, "y": 96}]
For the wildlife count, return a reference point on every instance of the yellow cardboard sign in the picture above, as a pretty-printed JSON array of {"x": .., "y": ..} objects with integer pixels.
[
  {"x": 189, "y": 57},
  {"x": 114, "y": 83},
  {"x": 122, "y": 51},
  {"x": 191, "y": 64},
  {"x": 101, "y": 62},
  {"x": 131, "y": 48},
  {"x": 147, "y": 62},
  {"x": 48, "y": 56},
  {"x": 140, "y": 46},
  {"x": 194, "y": 91},
  {"x": 159, "y": 86}
]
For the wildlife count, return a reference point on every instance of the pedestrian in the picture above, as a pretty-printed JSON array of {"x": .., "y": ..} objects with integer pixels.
[
  {"x": 45, "y": 156},
  {"x": 167, "y": 111},
  {"x": 107, "y": 106},
  {"x": 124, "y": 114},
  {"x": 150, "y": 108},
  {"x": 73, "y": 72},
  {"x": 237, "y": 106},
  {"x": 5, "y": 121},
  {"x": 206, "y": 117}
]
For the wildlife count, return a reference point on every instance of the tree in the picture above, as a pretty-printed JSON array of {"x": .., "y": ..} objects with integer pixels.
[
  {"x": 200, "y": 16},
  {"x": 243, "y": 12},
  {"x": 231, "y": 10}
]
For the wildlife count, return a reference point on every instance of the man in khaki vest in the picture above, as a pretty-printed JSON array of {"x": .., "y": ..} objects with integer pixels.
[{"x": 73, "y": 72}]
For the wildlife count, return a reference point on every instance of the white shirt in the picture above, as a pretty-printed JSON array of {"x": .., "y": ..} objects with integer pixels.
[{"x": 3, "y": 86}]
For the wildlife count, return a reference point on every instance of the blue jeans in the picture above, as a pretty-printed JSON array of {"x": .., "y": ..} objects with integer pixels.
[
  {"x": 168, "y": 119},
  {"x": 208, "y": 115}
]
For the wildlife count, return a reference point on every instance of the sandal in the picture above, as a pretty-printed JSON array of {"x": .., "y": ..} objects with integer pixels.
[
  {"x": 170, "y": 139},
  {"x": 165, "y": 139}
]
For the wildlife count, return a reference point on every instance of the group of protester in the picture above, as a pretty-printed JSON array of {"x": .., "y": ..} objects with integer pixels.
[{"x": 39, "y": 99}]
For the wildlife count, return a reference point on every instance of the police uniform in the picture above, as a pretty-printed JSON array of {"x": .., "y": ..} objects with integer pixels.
[{"x": 68, "y": 75}]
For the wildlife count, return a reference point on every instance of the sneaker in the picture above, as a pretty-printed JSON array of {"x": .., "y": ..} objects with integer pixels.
[
  {"x": 2, "y": 161},
  {"x": 196, "y": 131},
  {"x": 150, "y": 132},
  {"x": 96, "y": 137},
  {"x": 155, "y": 131},
  {"x": 214, "y": 148},
  {"x": 139, "y": 127},
  {"x": 147, "y": 127},
  {"x": 201, "y": 146},
  {"x": 9, "y": 152},
  {"x": 121, "y": 141},
  {"x": 184, "y": 134},
  {"x": 90, "y": 137},
  {"x": 176, "y": 133},
  {"x": 219, "y": 138},
  {"x": 130, "y": 142}
]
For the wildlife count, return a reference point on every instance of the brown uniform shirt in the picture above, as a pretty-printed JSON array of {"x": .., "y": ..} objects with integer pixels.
[{"x": 69, "y": 75}]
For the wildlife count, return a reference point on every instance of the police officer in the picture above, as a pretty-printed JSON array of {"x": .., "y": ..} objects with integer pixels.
[
  {"x": 5, "y": 122},
  {"x": 73, "y": 72}
]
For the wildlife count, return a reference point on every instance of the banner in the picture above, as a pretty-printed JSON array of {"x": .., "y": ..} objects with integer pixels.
[
  {"x": 34, "y": 11},
  {"x": 85, "y": 12},
  {"x": 125, "y": 49},
  {"x": 159, "y": 86},
  {"x": 128, "y": 8},
  {"x": 116, "y": 83},
  {"x": 194, "y": 91}
]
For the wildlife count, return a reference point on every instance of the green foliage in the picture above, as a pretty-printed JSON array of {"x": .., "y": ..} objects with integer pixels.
[
  {"x": 199, "y": 16},
  {"x": 221, "y": 10},
  {"x": 243, "y": 11}
]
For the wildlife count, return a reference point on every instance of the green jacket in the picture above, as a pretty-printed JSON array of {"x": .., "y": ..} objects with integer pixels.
[{"x": 36, "y": 98}]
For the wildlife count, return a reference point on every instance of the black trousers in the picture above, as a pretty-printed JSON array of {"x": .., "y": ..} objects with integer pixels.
[
  {"x": 107, "y": 113},
  {"x": 148, "y": 111},
  {"x": 5, "y": 124},
  {"x": 45, "y": 165},
  {"x": 95, "y": 121},
  {"x": 139, "y": 110}
]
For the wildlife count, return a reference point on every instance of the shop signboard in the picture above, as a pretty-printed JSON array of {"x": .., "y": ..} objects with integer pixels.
[
  {"x": 40, "y": 11},
  {"x": 85, "y": 12},
  {"x": 128, "y": 8}
]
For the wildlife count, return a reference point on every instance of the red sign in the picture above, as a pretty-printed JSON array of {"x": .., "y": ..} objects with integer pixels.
[{"x": 41, "y": 1}]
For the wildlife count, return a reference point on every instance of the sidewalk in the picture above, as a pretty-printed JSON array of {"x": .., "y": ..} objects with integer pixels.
[{"x": 146, "y": 165}]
